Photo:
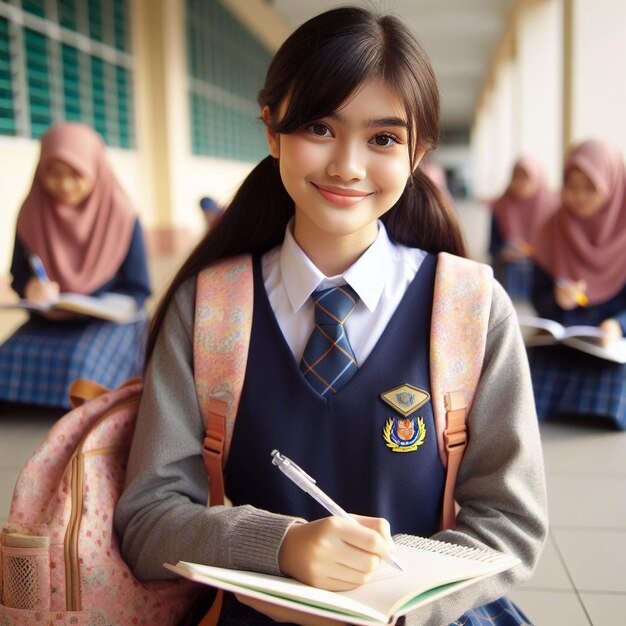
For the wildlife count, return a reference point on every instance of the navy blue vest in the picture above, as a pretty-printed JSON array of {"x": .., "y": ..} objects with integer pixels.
[{"x": 340, "y": 440}]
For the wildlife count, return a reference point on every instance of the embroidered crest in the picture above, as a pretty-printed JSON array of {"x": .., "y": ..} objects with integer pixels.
[
  {"x": 404, "y": 435},
  {"x": 405, "y": 399}
]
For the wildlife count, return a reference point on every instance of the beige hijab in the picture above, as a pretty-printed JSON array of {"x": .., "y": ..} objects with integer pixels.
[
  {"x": 591, "y": 249},
  {"x": 518, "y": 220},
  {"x": 82, "y": 246}
]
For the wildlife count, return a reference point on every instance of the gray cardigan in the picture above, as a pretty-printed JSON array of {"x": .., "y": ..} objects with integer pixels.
[{"x": 161, "y": 517}]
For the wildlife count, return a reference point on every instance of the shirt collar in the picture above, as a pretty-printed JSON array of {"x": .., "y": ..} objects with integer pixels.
[{"x": 366, "y": 276}]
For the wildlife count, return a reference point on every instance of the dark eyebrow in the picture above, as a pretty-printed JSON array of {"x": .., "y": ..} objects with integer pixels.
[
  {"x": 375, "y": 123},
  {"x": 387, "y": 121}
]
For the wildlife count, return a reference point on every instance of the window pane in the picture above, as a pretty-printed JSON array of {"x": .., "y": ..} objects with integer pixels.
[
  {"x": 124, "y": 108},
  {"x": 36, "y": 7},
  {"x": 227, "y": 65},
  {"x": 94, "y": 11},
  {"x": 67, "y": 14},
  {"x": 71, "y": 82},
  {"x": 120, "y": 21},
  {"x": 99, "y": 96},
  {"x": 62, "y": 80},
  {"x": 7, "y": 114},
  {"x": 36, "y": 53}
]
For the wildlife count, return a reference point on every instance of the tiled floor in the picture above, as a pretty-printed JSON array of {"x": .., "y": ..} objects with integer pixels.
[{"x": 581, "y": 579}]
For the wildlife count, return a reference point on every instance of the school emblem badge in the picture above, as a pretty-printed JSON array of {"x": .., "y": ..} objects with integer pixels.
[{"x": 405, "y": 434}]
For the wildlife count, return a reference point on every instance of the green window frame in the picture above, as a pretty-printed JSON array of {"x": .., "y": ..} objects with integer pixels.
[
  {"x": 7, "y": 111},
  {"x": 226, "y": 67},
  {"x": 66, "y": 60}
]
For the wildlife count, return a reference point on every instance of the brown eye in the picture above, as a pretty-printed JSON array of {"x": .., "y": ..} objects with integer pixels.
[
  {"x": 319, "y": 129},
  {"x": 384, "y": 140}
]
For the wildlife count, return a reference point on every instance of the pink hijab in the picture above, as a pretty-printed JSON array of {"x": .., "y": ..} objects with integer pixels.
[
  {"x": 592, "y": 249},
  {"x": 81, "y": 246},
  {"x": 517, "y": 219}
]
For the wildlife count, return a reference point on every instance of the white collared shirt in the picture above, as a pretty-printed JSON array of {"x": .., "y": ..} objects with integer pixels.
[{"x": 380, "y": 277}]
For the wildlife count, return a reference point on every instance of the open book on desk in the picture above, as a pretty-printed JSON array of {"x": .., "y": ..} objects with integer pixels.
[
  {"x": 115, "y": 307},
  {"x": 539, "y": 331},
  {"x": 433, "y": 569}
]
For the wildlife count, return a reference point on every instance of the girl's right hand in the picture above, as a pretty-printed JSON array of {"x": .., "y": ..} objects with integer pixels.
[
  {"x": 334, "y": 553},
  {"x": 41, "y": 291},
  {"x": 570, "y": 294}
]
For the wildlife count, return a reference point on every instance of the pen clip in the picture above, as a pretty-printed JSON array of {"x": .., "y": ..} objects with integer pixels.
[{"x": 279, "y": 460}]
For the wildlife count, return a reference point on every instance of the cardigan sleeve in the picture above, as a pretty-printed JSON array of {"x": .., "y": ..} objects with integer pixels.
[
  {"x": 501, "y": 485},
  {"x": 162, "y": 515}
]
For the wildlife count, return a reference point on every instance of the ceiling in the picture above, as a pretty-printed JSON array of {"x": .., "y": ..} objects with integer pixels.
[{"x": 460, "y": 36}]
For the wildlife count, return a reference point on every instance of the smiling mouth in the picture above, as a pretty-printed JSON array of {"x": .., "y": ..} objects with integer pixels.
[{"x": 340, "y": 196}]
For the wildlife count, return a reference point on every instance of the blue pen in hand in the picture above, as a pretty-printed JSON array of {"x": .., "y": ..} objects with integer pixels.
[
  {"x": 307, "y": 484},
  {"x": 38, "y": 269}
]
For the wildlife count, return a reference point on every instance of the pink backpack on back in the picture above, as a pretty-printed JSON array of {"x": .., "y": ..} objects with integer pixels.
[{"x": 61, "y": 562}]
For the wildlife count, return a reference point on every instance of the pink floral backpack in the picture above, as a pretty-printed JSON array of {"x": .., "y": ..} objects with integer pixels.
[{"x": 61, "y": 561}]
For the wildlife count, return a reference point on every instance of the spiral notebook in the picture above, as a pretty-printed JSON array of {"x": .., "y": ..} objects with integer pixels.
[{"x": 433, "y": 569}]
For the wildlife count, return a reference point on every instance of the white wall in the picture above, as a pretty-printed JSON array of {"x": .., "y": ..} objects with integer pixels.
[
  {"x": 598, "y": 98},
  {"x": 539, "y": 60}
]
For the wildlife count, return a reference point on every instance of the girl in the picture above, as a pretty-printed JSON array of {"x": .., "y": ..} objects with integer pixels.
[
  {"x": 78, "y": 221},
  {"x": 580, "y": 278},
  {"x": 516, "y": 216},
  {"x": 350, "y": 105}
]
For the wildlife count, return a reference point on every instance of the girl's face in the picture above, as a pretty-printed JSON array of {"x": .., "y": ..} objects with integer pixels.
[
  {"x": 580, "y": 195},
  {"x": 65, "y": 184},
  {"x": 522, "y": 186},
  {"x": 346, "y": 170}
]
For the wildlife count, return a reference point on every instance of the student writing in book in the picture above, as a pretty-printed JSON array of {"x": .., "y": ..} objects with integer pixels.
[
  {"x": 77, "y": 232},
  {"x": 580, "y": 279},
  {"x": 516, "y": 215},
  {"x": 338, "y": 214}
]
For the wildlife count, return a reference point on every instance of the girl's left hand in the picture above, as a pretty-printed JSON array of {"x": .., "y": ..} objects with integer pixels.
[
  {"x": 611, "y": 331},
  {"x": 285, "y": 615}
]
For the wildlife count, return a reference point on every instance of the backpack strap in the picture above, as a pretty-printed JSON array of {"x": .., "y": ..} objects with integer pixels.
[
  {"x": 461, "y": 305},
  {"x": 222, "y": 326}
]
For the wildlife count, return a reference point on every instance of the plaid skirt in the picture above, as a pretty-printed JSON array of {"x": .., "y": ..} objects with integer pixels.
[
  {"x": 569, "y": 382},
  {"x": 515, "y": 276},
  {"x": 501, "y": 612},
  {"x": 40, "y": 360}
]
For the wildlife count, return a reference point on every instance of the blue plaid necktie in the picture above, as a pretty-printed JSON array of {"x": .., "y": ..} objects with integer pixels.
[{"x": 328, "y": 362}]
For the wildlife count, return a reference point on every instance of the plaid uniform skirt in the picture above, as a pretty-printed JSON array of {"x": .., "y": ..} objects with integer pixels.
[
  {"x": 42, "y": 358},
  {"x": 569, "y": 382},
  {"x": 515, "y": 276},
  {"x": 501, "y": 612}
]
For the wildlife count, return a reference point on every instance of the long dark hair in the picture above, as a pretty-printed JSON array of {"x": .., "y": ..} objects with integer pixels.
[{"x": 315, "y": 70}]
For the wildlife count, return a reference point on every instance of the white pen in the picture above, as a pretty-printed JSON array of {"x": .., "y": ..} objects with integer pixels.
[{"x": 297, "y": 475}]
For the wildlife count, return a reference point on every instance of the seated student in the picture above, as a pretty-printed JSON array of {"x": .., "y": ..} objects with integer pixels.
[
  {"x": 338, "y": 217},
  {"x": 211, "y": 210},
  {"x": 80, "y": 223},
  {"x": 516, "y": 215},
  {"x": 580, "y": 278}
]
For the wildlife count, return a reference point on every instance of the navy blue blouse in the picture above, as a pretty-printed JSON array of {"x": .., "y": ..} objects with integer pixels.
[{"x": 131, "y": 278}]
